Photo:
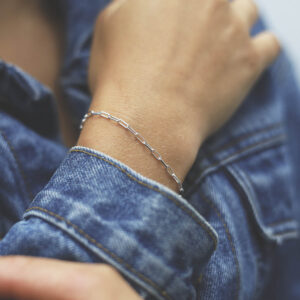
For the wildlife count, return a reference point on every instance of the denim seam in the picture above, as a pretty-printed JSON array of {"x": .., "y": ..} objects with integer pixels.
[
  {"x": 215, "y": 166},
  {"x": 206, "y": 229},
  {"x": 254, "y": 206},
  {"x": 274, "y": 224},
  {"x": 280, "y": 138},
  {"x": 246, "y": 136},
  {"x": 101, "y": 247},
  {"x": 232, "y": 246},
  {"x": 13, "y": 152},
  {"x": 288, "y": 232}
]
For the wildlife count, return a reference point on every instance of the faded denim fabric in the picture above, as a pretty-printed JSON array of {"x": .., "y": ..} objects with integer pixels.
[{"x": 233, "y": 235}]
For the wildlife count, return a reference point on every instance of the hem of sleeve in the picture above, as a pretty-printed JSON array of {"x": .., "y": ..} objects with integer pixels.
[
  {"x": 149, "y": 233},
  {"x": 134, "y": 175}
]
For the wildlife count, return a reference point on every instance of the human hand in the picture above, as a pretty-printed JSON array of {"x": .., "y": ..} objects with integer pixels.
[
  {"x": 49, "y": 279},
  {"x": 175, "y": 69}
]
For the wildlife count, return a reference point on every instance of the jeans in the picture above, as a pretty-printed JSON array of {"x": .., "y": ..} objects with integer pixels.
[{"x": 234, "y": 234}]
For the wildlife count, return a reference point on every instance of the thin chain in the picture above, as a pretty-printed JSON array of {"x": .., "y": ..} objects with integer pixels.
[{"x": 139, "y": 137}]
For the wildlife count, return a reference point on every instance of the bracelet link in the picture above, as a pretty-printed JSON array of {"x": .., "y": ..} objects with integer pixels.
[
  {"x": 156, "y": 154},
  {"x": 123, "y": 124},
  {"x": 139, "y": 137},
  {"x": 104, "y": 115},
  {"x": 115, "y": 119}
]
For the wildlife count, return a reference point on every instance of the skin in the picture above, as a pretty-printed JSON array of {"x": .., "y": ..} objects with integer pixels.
[
  {"x": 26, "y": 25},
  {"x": 26, "y": 278},
  {"x": 176, "y": 73}
]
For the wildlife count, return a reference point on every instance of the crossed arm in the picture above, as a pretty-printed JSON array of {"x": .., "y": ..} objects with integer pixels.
[{"x": 183, "y": 75}]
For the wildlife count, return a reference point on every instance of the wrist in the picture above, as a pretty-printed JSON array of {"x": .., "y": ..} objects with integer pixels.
[
  {"x": 172, "y": 129},
  {"x": 172, "y": 139}
]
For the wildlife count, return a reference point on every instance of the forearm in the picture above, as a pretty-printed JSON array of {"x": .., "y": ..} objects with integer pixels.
[
  {"x": 96, "y": 209},
  {"x": 169, "y": 79},
  {"x": 169, "y": 136}
]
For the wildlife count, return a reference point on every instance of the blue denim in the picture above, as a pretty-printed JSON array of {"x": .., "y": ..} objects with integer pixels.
[{"x": 234, "y": 234}]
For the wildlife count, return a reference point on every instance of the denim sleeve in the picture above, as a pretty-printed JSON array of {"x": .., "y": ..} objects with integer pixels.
[{"x": 96, "y": 209}]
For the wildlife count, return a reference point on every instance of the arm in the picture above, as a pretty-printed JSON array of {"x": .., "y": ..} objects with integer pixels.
[
  {"x": 95, "y": 208},
  {"x": 175, "y": 79}
]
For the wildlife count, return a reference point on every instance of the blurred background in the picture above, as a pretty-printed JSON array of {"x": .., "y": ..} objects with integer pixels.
[{"x": 283, "y": 16}]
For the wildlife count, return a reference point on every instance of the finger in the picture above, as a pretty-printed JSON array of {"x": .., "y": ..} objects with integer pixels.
[
  {"x": 114, "y": 6},
  {"x": 267, "y": 47},
  {"x": 28, "y": 278},
  {"x": 49, "y": 279},
  {"x": 247, "y": 10}
]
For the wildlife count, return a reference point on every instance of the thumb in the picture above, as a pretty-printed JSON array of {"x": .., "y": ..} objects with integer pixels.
[
  {"x": 37, "y": 278},
  {"x": 48, "y": 279}
]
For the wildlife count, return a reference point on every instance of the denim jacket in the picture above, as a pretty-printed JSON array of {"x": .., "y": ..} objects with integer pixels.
[{"x": 234, "y": 234}]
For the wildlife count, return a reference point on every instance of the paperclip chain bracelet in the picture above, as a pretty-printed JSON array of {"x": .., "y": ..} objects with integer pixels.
[{"x": 138, "y": 136}]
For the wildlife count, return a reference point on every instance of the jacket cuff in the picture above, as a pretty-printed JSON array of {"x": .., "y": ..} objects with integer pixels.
[{"x": 152, "y": 235}]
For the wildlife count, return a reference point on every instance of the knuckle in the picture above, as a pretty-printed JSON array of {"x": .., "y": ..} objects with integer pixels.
[
  {"x": 252, "y": 60},
  {"x": 235, "y": 30},
  {"x": 254, "y": 8},
  {"x": 219, "y": 5},
  {"x": 107, "y": 273},
  {"x": 100, "y": 19},
  {"x": 103, "y": 17},
  {"x": 106, "y": 13},
  {"x": 276, "y": 43},
  {"x": 237, "y": 27}
]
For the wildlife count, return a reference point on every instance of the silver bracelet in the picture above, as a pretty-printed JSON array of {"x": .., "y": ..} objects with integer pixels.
[{"x": 138, "y": 136}]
